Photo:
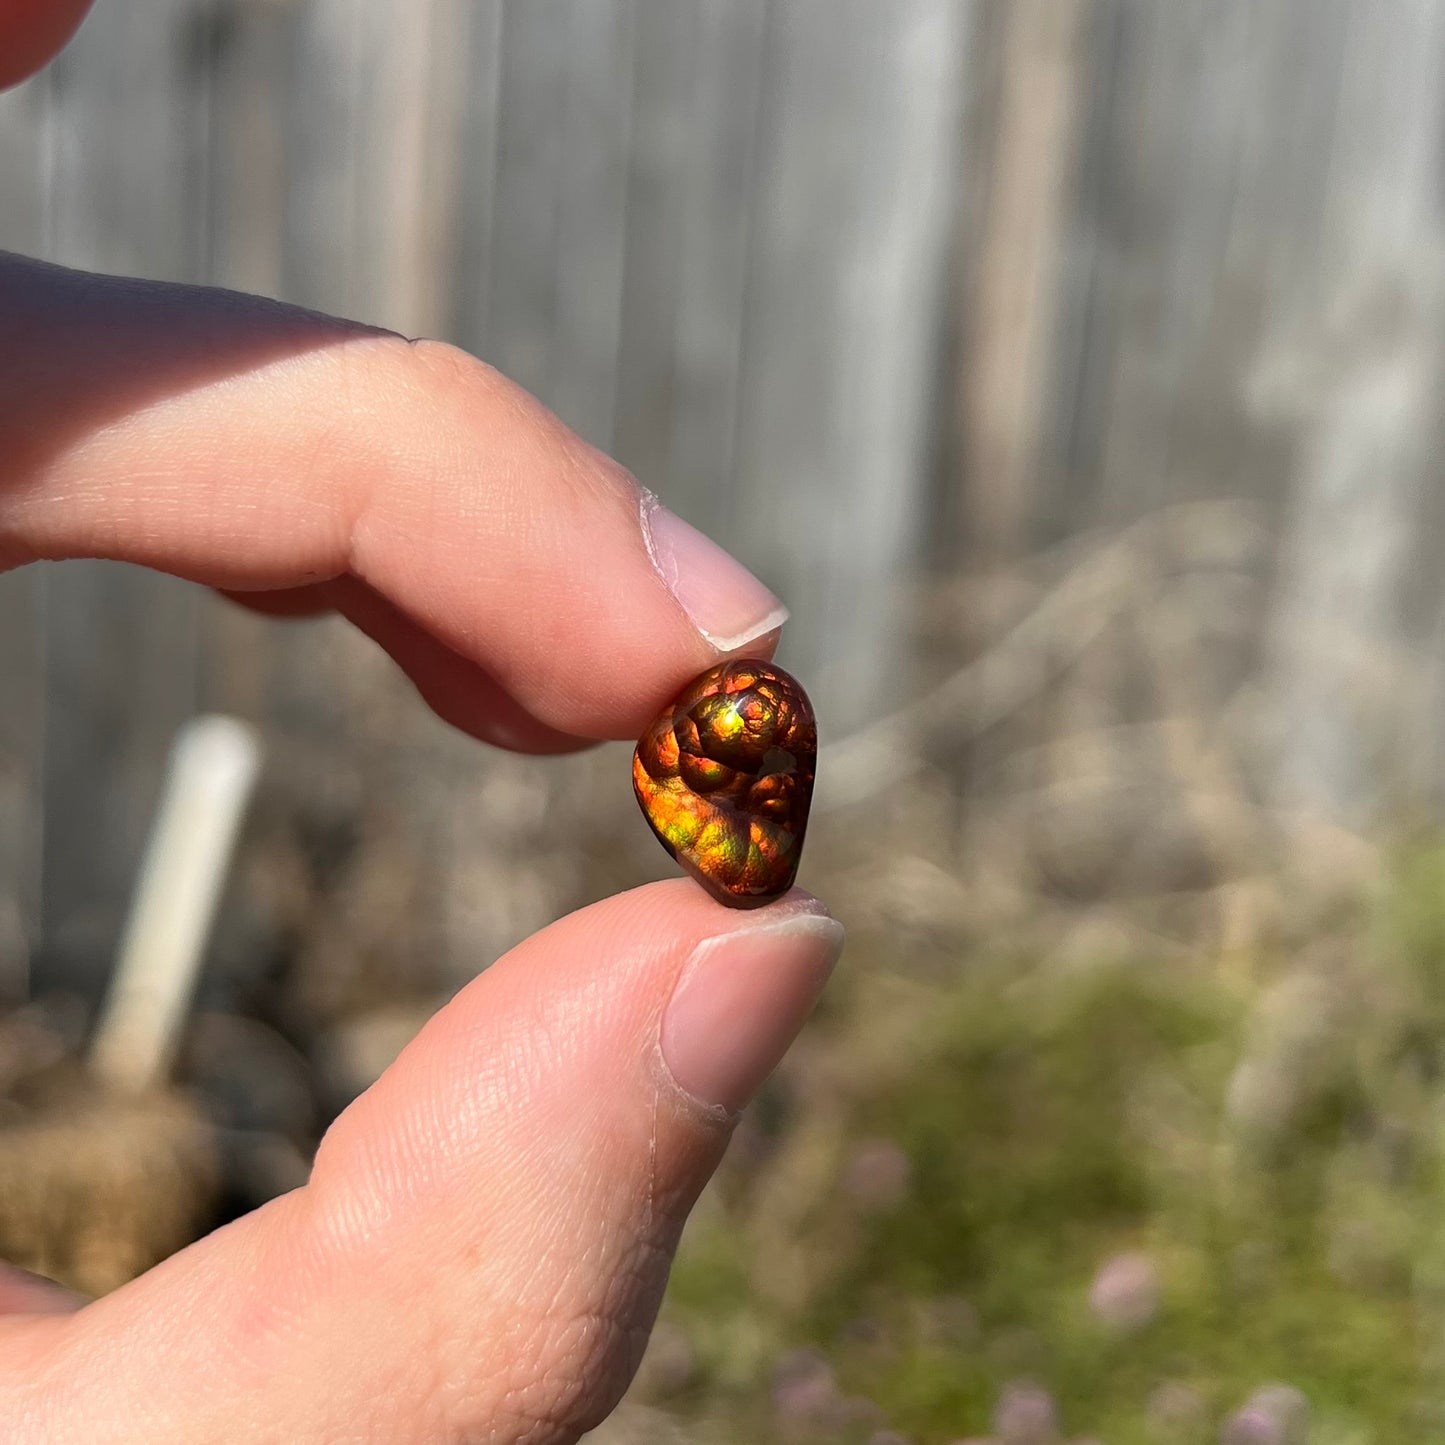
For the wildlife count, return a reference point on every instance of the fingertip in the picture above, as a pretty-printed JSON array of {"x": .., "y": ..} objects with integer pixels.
[
  {"x": 33, "y": 33},
  {"x": 741, "y": 1000}
]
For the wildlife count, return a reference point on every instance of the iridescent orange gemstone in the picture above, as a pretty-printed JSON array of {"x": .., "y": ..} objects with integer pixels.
[{"x": 725, "y": 778}]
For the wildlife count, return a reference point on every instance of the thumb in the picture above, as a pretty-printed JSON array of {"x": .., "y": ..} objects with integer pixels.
[{"x": 486, "y": 1234}]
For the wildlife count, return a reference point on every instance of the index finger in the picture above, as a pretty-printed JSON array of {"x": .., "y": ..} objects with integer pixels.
[{"x": 256, "y": 448}]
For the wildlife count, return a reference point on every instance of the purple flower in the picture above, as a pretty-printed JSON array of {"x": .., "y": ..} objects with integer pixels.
[
  {"x": 1125, "y": 1292},
  {"x": 1279, "y": 1411},
  {"x": 1025, "y": 1415},
  {"x": 1250, "y": 1426},
  {"x": 803, "y": 1386}
]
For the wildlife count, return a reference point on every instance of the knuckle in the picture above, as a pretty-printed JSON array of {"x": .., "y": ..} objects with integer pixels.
[
  {"x": 471, "y": 389},
  {"x": 444, "y": 365}
]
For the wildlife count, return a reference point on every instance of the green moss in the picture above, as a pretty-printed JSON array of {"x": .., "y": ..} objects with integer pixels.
[{"x": 1055, "y": 1116}]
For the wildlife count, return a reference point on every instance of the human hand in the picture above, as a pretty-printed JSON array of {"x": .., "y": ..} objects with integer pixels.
[{"x": 486, "y": 1233}]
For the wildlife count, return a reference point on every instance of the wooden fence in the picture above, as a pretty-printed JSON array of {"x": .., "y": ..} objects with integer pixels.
[{"x": 859, "y": 285}]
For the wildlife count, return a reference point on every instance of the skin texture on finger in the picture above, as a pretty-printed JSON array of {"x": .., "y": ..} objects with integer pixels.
[
  {"x": 481, "y": 1249},
  {"x": 454, "y": 687},
  {"x": 255, "y": 448},
  {"x": 33, "y": 32}
]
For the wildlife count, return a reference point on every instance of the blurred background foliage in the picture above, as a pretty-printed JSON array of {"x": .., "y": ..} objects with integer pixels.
[{"x": 1073, "y": 369}]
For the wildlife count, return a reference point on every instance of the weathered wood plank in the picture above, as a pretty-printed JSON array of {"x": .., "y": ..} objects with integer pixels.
[
  {"x": 1173, "y": 285},
  {"x": 1353, "y": 365},
  {"x": 22, "y": 753},
  {"x": 592, "y": 216},
  {"x": 23, "y": 180},
  {"x": 130, "y": 120},
  {"x": 120, "y": 678},
  {"x": 665, "y": 67},
  {"x": 408, "y": 129},
  {"x": 1008, "y": 331},
  {"x": 857, "y": 195},
  {"x": 1266, "y": 329},
  {"x": 715, "y": 215},
  {"x": 323, "y": 100},
  {"x": 24, "y": 153},
  {"x": 249, "y": 57},
  {"x": 476, "y": 176},
  {"x": 522, "y": 289}
]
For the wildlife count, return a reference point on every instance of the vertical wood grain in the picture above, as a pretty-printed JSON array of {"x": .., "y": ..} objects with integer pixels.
[
  {"x": 476, "y": 176},
  {"x": 1009, "y": 329},
  {"x": 717, "y": 182},
  {"x": 119, "y": 645},
  {"x": 24, "y": 174},
  {"x": 666, "y": 68},
  {"x": 1354, "y": 367},
  {"x": 856, "y": 195},
  {"x": 522, "y": 287},
  {"x": 592, "y": 214},
  {"x": 717, "y": 236}
]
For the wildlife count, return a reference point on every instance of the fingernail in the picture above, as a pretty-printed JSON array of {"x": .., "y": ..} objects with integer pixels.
[
  {"x": 741, "y": 1000},
  {"x": 24, "y": 1293},
  {"x": 722, "y": 599}
]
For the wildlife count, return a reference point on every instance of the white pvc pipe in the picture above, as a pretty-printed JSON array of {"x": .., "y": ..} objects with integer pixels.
[{"x": 212, "y": 771}]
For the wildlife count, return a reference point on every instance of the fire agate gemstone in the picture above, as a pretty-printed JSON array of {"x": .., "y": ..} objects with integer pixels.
[{"x": 725, "y": 778}]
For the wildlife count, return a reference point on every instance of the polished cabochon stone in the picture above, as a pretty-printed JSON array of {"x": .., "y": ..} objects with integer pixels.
[{"x": 724, "y": 775}]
